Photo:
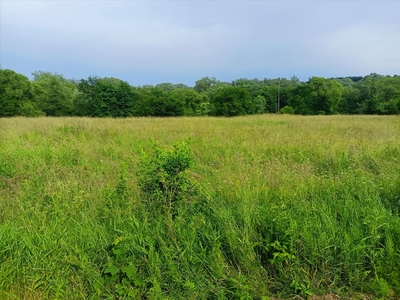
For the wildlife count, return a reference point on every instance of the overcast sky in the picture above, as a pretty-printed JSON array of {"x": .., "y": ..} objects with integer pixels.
[{"x": 149, "y": 42}]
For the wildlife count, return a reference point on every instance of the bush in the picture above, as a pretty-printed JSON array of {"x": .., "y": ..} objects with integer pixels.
[
  {"x": 287, "y": 110},
  {"x": 162, "y": 175}
]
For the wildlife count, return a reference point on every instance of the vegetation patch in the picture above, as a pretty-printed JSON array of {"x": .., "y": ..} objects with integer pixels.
[{"x": 209, "y": 208}]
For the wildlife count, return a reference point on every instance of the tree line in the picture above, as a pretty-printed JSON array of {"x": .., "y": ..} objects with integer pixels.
[{"x": 51, "y": 94}]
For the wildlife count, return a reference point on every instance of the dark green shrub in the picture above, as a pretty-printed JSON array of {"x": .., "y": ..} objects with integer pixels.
[{"x": 162, "y": 176}]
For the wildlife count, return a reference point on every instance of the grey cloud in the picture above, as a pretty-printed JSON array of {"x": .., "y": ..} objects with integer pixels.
[
  {"x": 364, "y": 47},
  {"x": 173, "y": 39}
]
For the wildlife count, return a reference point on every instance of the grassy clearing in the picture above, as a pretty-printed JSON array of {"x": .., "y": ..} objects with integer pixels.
[{"x": 287, "y": 206}]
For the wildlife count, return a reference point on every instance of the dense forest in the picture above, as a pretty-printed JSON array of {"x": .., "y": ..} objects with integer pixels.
[{"x": 51, "y": 94}]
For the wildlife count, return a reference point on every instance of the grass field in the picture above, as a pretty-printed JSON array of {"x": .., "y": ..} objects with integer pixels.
[{"x": 280, "y": 207}]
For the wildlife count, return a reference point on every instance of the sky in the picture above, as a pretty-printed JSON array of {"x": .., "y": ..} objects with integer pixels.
[{"x": 151, "y": 42}]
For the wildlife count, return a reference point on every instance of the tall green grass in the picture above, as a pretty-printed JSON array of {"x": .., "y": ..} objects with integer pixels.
[{"x": 286, "y": 206}]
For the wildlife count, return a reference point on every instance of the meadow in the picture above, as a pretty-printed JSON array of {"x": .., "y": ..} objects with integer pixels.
[{"x": 265, "y": 207}]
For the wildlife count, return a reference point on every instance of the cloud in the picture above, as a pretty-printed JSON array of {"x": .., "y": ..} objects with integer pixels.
[
  {"x": 182, "y": 39},
  {"x": 98, "y": 37},
  {"x": 363, "y": 47}
]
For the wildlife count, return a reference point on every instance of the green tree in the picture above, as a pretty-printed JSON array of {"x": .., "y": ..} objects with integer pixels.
[
  {"x": 367, "y": 100},
  {"x": 16, "y": 93},
  {"x": 143, "y": 106},
  {"x": 85, "y": 99},
  {"x": 350, "y": 98},
  {"x": 170, "y": 106},
  {"x": 388, "y": 93},
  {"x": 205, "y": 84},
  {"x": 193, "y": 102},
  {"x": 30, "y": 109},
  {"x": 113, "y": 98},
  {"x": 169, "y": 87},
  {"x": 326, "y": 94},
  {"x": 270, "y": 93},
  {"x": 392, "y": 107},
  {"x": 231, "y": 101},
  {"x": 259, "y": 104},
  {"x": 301, "y": 100},
  {"x": 57, "y": 93},
  {"x": 155, "y": 102},
  {"x": 257, "y": 91}
]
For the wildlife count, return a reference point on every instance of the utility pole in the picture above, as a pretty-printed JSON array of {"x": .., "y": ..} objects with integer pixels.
[{"x": 279, "y": 96}]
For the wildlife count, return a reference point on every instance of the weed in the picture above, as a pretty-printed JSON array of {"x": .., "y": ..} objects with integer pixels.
[
  {"x": 260, "y": 207},
  {"x": 162, "y": 176}
]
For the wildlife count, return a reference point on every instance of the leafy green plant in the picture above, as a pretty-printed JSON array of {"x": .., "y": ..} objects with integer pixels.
[
  {"x": 162, "y": 175},
  {"x": 121, "y": 272},
  {"x": 281, "y": 253}
]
